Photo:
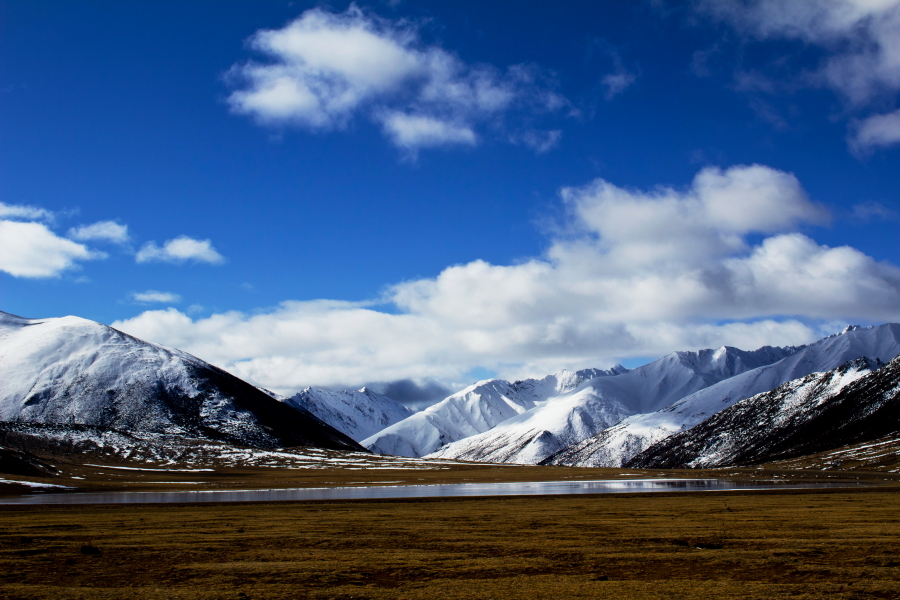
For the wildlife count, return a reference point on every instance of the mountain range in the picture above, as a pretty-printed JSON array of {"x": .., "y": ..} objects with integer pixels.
[
  {"x": 615, "y": 446},
  {"x": 476, "y": 409},
  {"x": 70, "y": 379},
  {"x": 601, "y": 402}
]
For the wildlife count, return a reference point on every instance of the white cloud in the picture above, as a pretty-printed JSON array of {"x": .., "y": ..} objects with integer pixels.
[
  {"x": 18, "y": 211},
  {"x": 156, "y": 296},
  {"x": 867, "y": 211},
  {"x": 539, "y": 141},
  {"x": 634, "y": 273},
  {"x": 861, "y": 41},
  {"x": 179, "y": 250},
  {"x": 876, "y": 131},
  {"x": 29, "y": 249},
  {"x": 108, "y": 231},
  {"x": 414, "y": 131},
  {"x": 617, "y": 82},
  {"x": 325, "y": 68},
  {"x": 862, "y": 37}
]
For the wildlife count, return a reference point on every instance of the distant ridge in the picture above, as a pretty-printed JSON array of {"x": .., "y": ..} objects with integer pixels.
[
  {"x": 857, "y": 402},
  {"x": 474, "y": 410},
  {"x": 600, "y": 402},
  {"x": 358, "y": 414}
]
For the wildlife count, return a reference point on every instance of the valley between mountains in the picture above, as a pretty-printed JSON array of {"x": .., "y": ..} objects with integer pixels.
[{"x": 84, "y": 406}]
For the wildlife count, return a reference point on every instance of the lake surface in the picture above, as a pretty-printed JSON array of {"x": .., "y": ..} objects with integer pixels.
[{"x": 538, "y": 488}]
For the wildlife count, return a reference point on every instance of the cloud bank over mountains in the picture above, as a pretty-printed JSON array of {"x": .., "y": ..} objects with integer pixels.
[
  {"x": 326, "y": 68},
  {"x": 631, "y": 273}
]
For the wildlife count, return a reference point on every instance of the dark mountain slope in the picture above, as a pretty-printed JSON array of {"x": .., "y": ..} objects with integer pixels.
[{"x": 854, "y": 403}]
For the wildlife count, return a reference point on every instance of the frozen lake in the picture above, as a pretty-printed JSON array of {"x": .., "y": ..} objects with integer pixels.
[{"x": 537, "y": 488}]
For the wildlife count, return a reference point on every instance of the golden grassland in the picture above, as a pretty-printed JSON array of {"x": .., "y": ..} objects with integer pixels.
[{"x": 792, "y": 544}]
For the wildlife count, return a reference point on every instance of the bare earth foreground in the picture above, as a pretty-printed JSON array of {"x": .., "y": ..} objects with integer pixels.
[{"x": 763, "y": 544}]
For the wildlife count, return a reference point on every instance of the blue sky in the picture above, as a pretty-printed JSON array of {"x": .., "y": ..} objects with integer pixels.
[{"x": 436, "y": 191}]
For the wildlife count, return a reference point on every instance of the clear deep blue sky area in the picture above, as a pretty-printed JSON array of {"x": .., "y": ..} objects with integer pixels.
[{"x": 343, "y": 194}]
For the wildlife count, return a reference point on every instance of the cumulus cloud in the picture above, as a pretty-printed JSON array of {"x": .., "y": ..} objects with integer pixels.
[
  {"x": 107, "y": 231},
  {"x": 861, "y": 44},
  {"x": 18, "y": 211},
  {"x": 31, "y": 249},
  {"x": 179, "y": 250},
  {"x": 411, "y": 132},
  {"x": 156, "y": 296},
  {"x": 877, "y": 131},
  {"x": 324, "y": 68},
  {"x": 632, "y": 273}
]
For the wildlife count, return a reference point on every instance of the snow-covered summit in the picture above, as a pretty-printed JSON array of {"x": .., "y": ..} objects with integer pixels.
[
  {"x": 72, "y": 371},
  {"x": 358, "y": 414}
]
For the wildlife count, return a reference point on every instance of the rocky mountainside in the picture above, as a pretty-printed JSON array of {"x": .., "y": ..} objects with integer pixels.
[
  {"x": 473, "y": 410},
  {"x": 857, "y": 402},
  {"x": 358, "y": 414},
  {"x": 71, "y": 371},
  {"x": 600, "y": 402},
  {"x": 616, "y": 445}
]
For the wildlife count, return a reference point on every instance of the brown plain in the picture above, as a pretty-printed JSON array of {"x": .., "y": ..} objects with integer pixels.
[{"x": 799, "y": 544}]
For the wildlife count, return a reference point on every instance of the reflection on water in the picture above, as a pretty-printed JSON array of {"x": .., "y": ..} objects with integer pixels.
[{"x": 417, "y": 491}]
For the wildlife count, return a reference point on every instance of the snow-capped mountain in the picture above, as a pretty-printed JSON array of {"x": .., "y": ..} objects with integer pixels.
[
  {"x": 598, "y": 403},
  {"x": 754, "y": 429},
  {"x": 473, "y": 410},
  {"x": 71, "y": 371},
  {"x": 615, "y": 446},
  {"x": 358, "y": 414}
]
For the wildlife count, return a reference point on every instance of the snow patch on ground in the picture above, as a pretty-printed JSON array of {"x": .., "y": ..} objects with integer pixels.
[{"x": 34, "y": 484}]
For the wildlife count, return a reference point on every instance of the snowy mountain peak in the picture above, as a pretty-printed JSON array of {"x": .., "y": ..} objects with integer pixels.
[
  {"x": 727, "y": 361},
  {"x": 850, "y": 328},
  {"x": 72, "y": 371},
  {"x": 861, "y": 363},
  {"x": 567, "y": 381}
]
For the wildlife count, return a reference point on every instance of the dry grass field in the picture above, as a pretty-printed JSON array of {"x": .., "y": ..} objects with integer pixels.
[{"x": 801, "y": 544}]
